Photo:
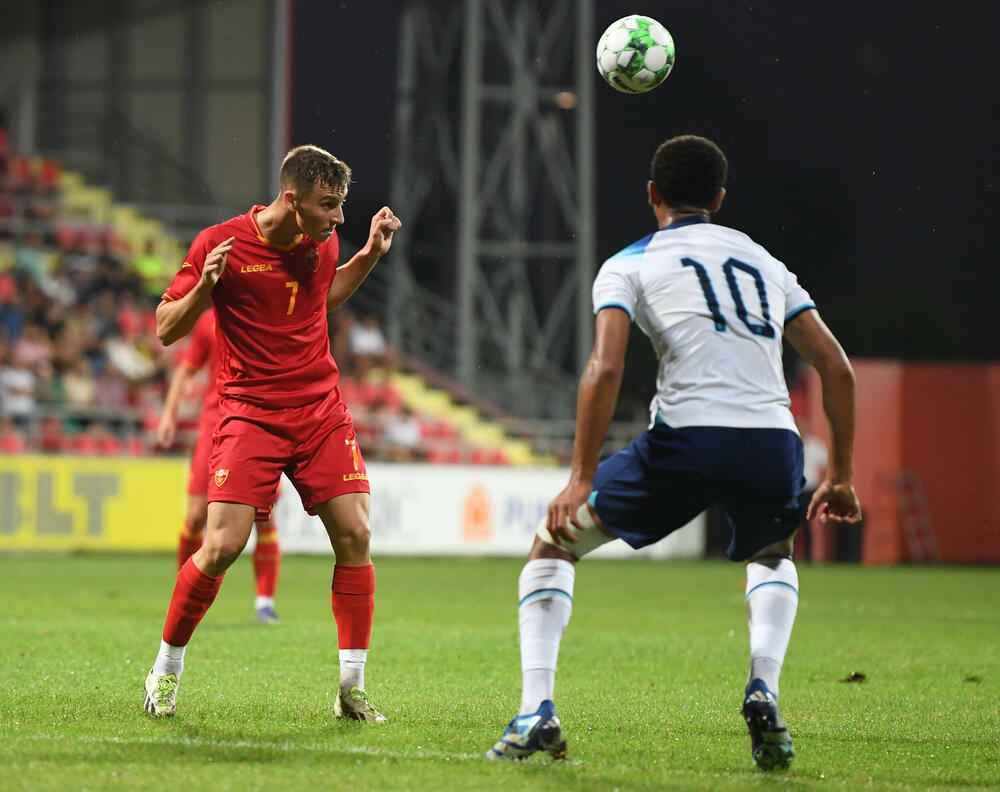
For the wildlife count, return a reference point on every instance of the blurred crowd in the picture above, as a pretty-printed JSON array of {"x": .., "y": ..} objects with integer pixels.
[
  {"x": 80, "y": 364},
  {"x": 81, "y": 368}
]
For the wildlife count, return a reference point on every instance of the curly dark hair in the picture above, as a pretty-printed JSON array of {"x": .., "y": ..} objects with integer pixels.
[
  {"x": 689, "y": 171},
  {"x": 306, "y": 166}
]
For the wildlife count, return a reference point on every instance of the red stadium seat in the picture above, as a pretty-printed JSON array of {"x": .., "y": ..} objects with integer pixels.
[
  {"x": 52, "y": 437},
  {"x": 438, "y": 430},
  {"x": 134, "y": 446},
  {"x": 47, "y": 174},
  {"x": 19, "y": 172},
  {"x": 368, "y": 393},
  {"x": 499, "y": 457},
  {"x": 390, "y": 397},
  {"x": 13, "y": 441},
  {"x": 81, "y": 443},
  {"x": 444, "y": 456},
  {"x": 108, "y": 445}
]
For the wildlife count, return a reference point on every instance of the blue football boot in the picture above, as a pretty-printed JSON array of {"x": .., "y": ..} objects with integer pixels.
[
  {"x": 769, "y": 741},
  {"x": 537, "y": 731}
]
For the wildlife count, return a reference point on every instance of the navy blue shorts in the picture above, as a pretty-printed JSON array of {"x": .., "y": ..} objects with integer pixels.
[{"x": 667, "y": 477}]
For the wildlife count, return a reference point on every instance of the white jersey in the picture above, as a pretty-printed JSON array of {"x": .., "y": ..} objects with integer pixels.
[{"x": 714, "y": 303}]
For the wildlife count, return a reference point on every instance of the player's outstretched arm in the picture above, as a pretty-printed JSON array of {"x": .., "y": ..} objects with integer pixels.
[
  {"x": 835, "y": 498},
  {"x": 176, "y": 318},
  {"x": 353, "y": 273},
  {"x": 595, "y": 407}
]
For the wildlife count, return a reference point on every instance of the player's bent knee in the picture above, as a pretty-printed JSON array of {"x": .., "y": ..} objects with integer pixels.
[
  {"x": 353, "y": 537},
  {"x": 589, "y": 536},
  {"x": 221, "y": 554},
  {"x": 775, "y": 552}
]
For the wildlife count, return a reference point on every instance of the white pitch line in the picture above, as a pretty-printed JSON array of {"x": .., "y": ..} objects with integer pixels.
[{"x": 195, "y": 742}]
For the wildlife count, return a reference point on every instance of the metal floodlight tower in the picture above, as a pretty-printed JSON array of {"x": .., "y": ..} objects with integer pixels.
[{"x": 495, "y": 128}]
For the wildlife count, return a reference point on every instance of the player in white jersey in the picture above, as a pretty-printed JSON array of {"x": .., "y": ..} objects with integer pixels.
[{"x": 716, "y": 306}]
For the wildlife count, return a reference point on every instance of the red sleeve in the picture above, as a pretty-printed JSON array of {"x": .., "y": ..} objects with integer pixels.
[
  {"x": 190, "y": 272},
  {"x": 202, "y": 345}
]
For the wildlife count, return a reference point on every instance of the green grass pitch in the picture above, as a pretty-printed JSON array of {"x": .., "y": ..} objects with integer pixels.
[{"x": 649, "y": 689}]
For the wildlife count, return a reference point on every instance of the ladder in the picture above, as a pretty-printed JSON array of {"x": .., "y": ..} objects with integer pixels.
[{"x": 921, "y": 541}]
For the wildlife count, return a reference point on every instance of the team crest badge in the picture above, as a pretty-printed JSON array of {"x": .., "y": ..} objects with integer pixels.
[
  {"x": 312, "y": 259},
  {"x": 221, "y": 476}
]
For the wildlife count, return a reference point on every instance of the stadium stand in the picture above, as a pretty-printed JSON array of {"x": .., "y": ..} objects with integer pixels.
[{"x": 81, "y": 369}]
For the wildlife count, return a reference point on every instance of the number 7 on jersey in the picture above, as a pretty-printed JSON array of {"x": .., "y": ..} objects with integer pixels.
[{"x": 294, "y": 286}]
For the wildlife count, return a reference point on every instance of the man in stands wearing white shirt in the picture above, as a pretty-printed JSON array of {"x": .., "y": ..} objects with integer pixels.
[{"x": 715, "y": 306}]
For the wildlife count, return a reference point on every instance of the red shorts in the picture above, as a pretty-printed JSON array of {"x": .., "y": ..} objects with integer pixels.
[
  {"x": 314, "y": 445},
  {"x": 198, "y": 472}
]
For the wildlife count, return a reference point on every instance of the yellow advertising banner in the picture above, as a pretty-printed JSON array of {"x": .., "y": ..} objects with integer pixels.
[{"x": 90, "y": 503}]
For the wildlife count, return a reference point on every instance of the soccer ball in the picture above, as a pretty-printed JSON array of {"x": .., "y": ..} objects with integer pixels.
[{"x": 635, "y": 54}]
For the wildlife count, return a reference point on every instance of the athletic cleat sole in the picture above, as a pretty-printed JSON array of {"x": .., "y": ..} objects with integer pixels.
[{"x": 770, "y": 743}]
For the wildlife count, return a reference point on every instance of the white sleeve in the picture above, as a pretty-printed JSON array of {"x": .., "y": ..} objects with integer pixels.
[
  {"x": 614, "y": 288},
  {"x": 797, "y": 299}
]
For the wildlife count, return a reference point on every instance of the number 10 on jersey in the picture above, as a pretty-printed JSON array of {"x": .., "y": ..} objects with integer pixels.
[{"x": 766, "y": 329}]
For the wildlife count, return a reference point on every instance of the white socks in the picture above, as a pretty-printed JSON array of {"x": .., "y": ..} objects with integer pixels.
[
  {"x": 263, "y": 602},
  {"x": 169, "y": 660},
  {"x": 772, "y": 599},
  {"x": 352, "y": 668},
  {"x": 545, "y": 594}
]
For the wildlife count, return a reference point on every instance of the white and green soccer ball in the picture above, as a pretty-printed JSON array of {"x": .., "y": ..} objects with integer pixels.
[{"x": 635, "y": 54}]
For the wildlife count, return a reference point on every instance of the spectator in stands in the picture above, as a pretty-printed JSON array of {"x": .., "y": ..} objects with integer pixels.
[
  {"x": 106, "y": 314},
  {"x": 81, "y": 262},
  {"x": 11, "y": 310},
  {"x": 33, "y": 346},
  {"x": 113, "y": 271},
  {"x": 58, "y": 285},
  {"x": 80, "y": 384},
  {"x": 31, "y": 257},
  {"x": 6, "y": 244},
  {"x": 368, "y": 347},
  {"x": 152, "y": 269},
  {"x": 17, "y": 387},
  {"x": 112, "y": 391},
  {"x": 401, "y": 434},
  {"x": 49, "y": 391}
]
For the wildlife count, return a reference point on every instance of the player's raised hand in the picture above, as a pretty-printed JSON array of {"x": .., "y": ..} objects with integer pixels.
[
  {"x": 384, "y": 225},
  {"x": 835, "y": 503},
  {"x": 215, "y": 262}
]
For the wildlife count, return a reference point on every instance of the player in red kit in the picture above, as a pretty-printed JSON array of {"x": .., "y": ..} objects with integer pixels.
[
  {"x": 272, "y": 276},
  {"x": 267, "y": 553}
]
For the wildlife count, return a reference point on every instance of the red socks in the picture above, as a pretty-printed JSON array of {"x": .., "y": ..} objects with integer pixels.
[
  {"x": 353, "y": 601},
  {"x": 267, "y": 559},
  {"x": 193, "y": 594},
  {"x": 189, "y": 542}
]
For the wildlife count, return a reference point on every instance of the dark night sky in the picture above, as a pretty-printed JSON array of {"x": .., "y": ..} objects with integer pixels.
[{"x": 862, "y": 140}]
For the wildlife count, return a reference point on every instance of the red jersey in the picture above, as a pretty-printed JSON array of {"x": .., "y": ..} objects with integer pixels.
[
  {"x": 200, "y": 351},
  {"x": 270, "y": 305}
]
